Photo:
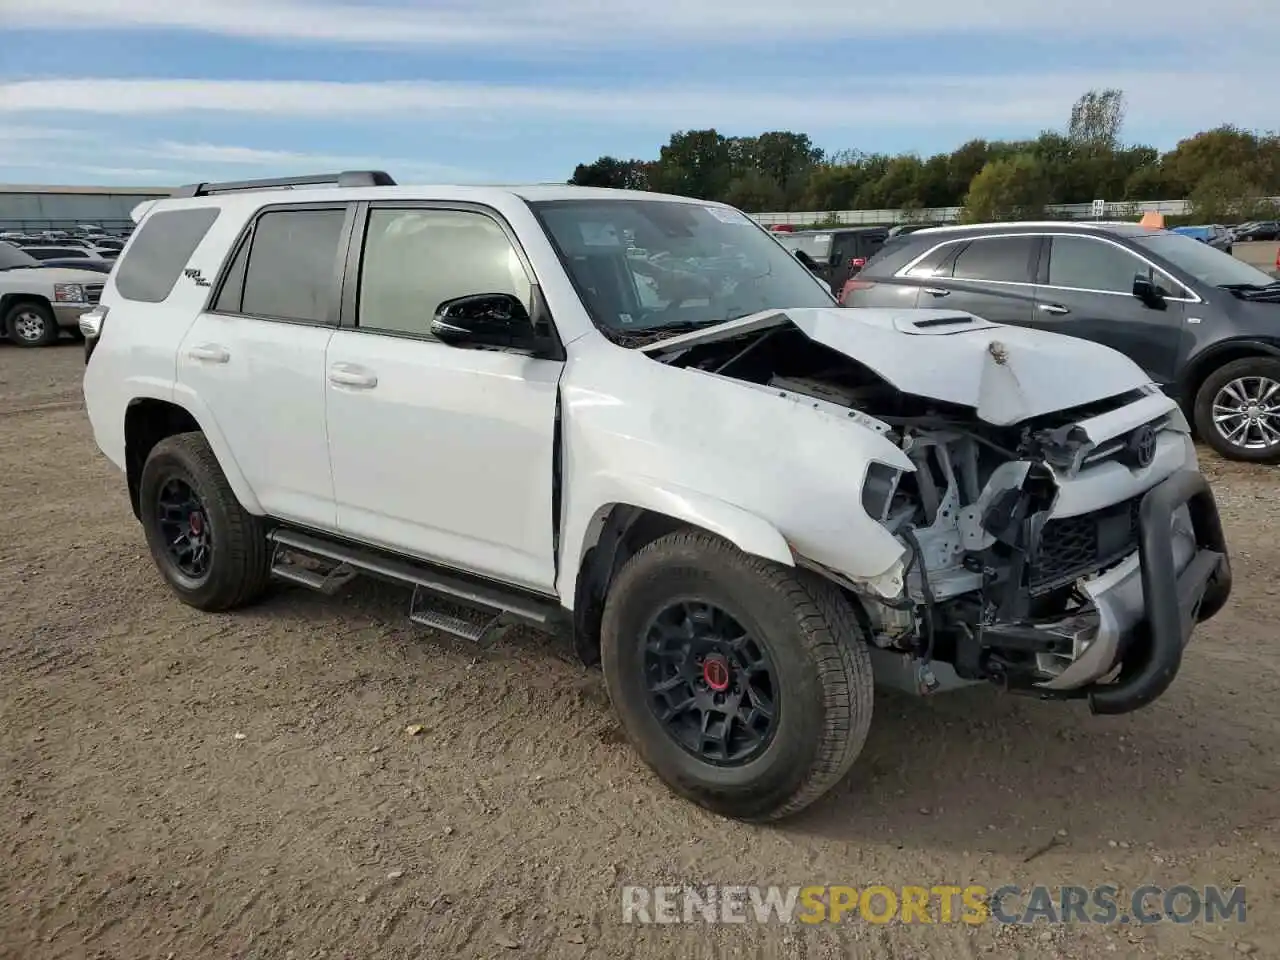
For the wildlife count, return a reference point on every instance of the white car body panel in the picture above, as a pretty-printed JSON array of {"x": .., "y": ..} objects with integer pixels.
[
  {"x": 716, "y": 452},
  {"x": 474, "y": 436}
]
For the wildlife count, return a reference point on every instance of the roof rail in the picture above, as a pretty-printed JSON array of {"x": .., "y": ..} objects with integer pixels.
[{"x": 348, "y": 178}]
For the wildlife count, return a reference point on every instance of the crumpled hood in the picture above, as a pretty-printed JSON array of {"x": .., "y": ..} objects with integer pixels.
[{"x": 1007, "y": 374}]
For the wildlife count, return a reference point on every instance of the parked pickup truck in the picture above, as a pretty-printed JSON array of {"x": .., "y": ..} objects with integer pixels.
[
  {"x": 638, "y": 420},
  {"x": 37, "y": 302}
]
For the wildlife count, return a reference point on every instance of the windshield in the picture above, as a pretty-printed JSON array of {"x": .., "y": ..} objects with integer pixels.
[
  {"x": 644, "y": 266},
  {"x": 1207, "y": 264},
  {"x": 11, "y": 257}
]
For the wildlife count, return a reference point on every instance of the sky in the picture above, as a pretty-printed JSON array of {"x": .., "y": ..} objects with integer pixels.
[{"x": 160, "y": 92}]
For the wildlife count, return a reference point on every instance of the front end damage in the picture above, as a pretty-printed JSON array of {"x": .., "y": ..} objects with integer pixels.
[
  {"x": 1032, "y": 574},
  {"x": 1063, "y": 553}
]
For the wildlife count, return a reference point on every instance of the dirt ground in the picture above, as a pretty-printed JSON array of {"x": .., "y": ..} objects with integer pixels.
[{"x": 179, "y": 785}]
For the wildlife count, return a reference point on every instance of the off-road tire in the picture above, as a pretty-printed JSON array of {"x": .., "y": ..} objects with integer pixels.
[
  {"x": 49, "y": 335},
  {"x": 1203, "y": 407},
  {"x": 239, "y": 570},
  {"x": 816, "y": 644}
]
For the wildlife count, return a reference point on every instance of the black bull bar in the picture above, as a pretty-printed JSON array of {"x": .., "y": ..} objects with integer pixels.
[{"x": 1175, "y": 602}]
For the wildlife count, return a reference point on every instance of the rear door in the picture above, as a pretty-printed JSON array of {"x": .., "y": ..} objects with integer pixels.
[
  {"x": 990, "y": 277},
  {"x": 1087, "y": 292},
  {"x": 256, "y": 357}
]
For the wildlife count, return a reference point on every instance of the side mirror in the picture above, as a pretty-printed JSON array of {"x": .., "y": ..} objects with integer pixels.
[
  {"x": 1146, "y": 291},
  {"x": 484, "y": 320}
]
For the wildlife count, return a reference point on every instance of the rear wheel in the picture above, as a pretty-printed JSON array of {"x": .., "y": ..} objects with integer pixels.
[
  {"x": 1237, "y": 410},
  {"x": 212, "y": 552},
  {"x": 31, "y": 324},
  {"x": 745, "y": 685}
]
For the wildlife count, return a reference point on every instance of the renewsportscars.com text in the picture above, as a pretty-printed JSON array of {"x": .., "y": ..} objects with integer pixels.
[{"x": 972, "y": 904}]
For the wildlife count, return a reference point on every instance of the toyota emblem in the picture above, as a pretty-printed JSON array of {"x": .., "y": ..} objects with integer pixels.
[{"x": 1142, "y": 446}]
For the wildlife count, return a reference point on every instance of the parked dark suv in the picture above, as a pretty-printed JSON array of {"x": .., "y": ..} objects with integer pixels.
[
  {"x": 1203, "y": 325},
  {"x": 837, "y": 254}
]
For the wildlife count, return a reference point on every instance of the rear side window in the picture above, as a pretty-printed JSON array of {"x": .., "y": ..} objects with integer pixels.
[
  {"x": 999, "y": 258},
  {"x": 935, "y": 263},
  {"x": 289, "y": 268},
  {"x": 160, "y": 252}
]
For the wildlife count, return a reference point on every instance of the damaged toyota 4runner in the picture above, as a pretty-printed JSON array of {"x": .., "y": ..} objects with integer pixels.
[{"x": 638, "y": 420}]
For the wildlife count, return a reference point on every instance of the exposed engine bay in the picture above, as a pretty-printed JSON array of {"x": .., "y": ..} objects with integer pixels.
[{"x": 1021, "y": 541}]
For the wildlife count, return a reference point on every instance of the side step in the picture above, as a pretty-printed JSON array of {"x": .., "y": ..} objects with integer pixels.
[{"x": 342, "y": 562}]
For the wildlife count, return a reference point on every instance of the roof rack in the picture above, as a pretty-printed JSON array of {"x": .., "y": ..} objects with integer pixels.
[{"x": 348, "y": 178}]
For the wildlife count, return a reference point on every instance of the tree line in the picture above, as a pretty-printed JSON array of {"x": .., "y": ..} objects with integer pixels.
[{"x": 1227, "y": 173}]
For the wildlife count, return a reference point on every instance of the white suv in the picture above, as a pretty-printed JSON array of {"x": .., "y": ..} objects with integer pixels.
[{"x": 638, "y": 418}]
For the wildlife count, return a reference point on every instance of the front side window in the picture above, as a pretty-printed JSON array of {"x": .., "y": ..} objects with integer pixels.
[
  {"x": 1083, "y": 263},
  {"x": 931, "y": 264},
  {"x": 415, "y": 260},
  {"x": 292, "y": 265},
  {"x": 651, "y": 265},
  {"x": 1004, "y": 259}
]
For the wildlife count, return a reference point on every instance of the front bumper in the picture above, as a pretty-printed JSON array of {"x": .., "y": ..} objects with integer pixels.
[
  {"x": 1129, "y": 639},
  {"x": 67, "y": 315}
]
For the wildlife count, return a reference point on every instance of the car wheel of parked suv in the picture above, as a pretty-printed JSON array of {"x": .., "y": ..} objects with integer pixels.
[
  {"x": 745, "y": 685},
  {"x": 1237, "y": 410},
  {"x": 209, "y": 548},
  {"x": 31, "y": 324}
]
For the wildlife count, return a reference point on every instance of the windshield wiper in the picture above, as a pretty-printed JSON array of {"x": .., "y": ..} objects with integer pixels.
[{"x": 1249, "y": 286}]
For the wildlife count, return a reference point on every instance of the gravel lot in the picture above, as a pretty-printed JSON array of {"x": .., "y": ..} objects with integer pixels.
[{"x": 183, "y": 785}]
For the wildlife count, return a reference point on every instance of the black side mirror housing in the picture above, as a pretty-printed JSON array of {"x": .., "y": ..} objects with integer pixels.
[
  {"x": 485, "y": 320},
  {"x": 1146, "y": 291}
]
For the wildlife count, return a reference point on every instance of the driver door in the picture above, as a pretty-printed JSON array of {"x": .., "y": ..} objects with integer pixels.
[{"x": 440, "y": 452}]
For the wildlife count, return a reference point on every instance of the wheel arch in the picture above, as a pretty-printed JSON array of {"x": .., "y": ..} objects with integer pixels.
[
  {"x": 1228, "y": 351},
  {"x": 620, "y": 527},
  {"x": 148, "y": 420}
]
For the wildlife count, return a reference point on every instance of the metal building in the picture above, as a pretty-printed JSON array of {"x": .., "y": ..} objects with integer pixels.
[{"x": 42, "y": 207}]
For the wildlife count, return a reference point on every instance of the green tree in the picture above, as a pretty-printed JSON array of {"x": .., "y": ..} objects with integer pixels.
[
  {"x": 754, "y": 192},
  {"x": 1086, "y": 160},
  {"x": 1096, "y": 120},
  {"x": 1014, "y": 188},
  {"x": 612, "y": 172},
  {"x": 694, "y": 163}
]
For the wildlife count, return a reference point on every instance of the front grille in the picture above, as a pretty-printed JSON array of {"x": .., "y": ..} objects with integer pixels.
[
  {"x": 93, "y": 292},
  {"x": 1073, "y": 547}
]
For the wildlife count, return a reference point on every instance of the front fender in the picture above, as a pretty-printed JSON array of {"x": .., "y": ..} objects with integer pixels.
[{"x": 745, "y": 530}]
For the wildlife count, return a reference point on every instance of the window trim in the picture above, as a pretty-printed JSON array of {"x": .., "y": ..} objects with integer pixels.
[
  {"x": 902, "y": 274},
  {"x": 349, "y": 314},
  {"x": 246, "y": 237}
]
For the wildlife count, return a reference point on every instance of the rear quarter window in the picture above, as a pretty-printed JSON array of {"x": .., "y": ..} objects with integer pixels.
[{"x": 160, "y": 252}]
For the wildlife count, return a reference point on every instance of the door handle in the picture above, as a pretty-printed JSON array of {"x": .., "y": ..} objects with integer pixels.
[
  {"x": 937, "y": 292},
  {"x": 349, "y": 375},
  {"x": 1055, "y": 308},
  {"x": 211, "y": 352}
]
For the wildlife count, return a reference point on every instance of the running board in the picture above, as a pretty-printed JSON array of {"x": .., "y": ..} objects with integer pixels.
[{"x": 497, "y": 606}]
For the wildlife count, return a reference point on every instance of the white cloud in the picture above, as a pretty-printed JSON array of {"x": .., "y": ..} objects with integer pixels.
[
  {"x": 1182, "y": 99},
  {"x": 528, "y": 28},
  {"x": 170, "y": 161},
  {"x": 195, "y": 156}
]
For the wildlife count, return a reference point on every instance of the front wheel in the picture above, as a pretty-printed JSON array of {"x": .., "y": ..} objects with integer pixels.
[
  {"x": 1237, "y": 410},
  {"x": 745, "y": 685},
  {"x": 31, "y": 324}
]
